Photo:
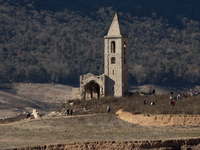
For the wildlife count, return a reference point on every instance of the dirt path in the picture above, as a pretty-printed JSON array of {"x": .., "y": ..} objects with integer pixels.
[{"x": 46, "y": 118}]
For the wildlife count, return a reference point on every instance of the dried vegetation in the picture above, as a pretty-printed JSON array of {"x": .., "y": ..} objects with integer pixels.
[{"x": 135, "y": 105}]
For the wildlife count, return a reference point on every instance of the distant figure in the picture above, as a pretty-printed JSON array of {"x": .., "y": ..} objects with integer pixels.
[
  {"x": 171, "y": 93},
  {"x": 67, "y": 111},
  {"x": 152, "y": 103},
  {"x": 173, "y": 103},
  {"x": 185, "y": 95},
  {"x": 179, "y": 96},
  {"x": 170, "y": 98},
  {"x": 153, "y": 91},
  {"x": 71, "y": 112},
  {"x": 3, "y": 118},
  {"x": 28, "y": 115},
  {"x": 170, "y": 102},
  {"x": 108, "y": 108},
  {"x": 145, "y": 102}
]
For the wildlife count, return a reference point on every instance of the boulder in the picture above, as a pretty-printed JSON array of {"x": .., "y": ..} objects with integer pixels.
[{"x": 35, "y": 114}]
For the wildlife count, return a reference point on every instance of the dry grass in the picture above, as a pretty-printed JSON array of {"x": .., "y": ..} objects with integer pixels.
[
  {"x": 135, "y": 105},
  {"x": 21, "y": 97}
]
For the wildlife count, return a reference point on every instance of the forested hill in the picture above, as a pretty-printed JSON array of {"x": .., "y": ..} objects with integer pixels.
[{"x": 59, "y": 40}]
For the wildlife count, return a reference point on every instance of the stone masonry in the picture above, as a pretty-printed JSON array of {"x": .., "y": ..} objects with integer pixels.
[{"x": 114, "y": 81}]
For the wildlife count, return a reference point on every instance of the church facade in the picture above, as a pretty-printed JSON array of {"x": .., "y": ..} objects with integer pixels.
[{"x": 114, "y": 81}]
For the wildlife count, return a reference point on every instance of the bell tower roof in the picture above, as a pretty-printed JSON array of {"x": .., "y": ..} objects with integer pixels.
[{"x": 115, "y": 29}]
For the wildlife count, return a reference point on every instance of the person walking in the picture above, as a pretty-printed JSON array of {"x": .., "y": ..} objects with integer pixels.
[
  {"x": 145, "y": 102},
  {"x": 173, "y": 103},
  {"x": 67, "y": 111},
  {"x": 108, "y": 108},
  {"x": 170, "y": 101},
  {"x": 71, "y": 112},
  {"x": 179, "y": 96},
  {"x": 28, "y": 115},
  {"x": 170, "y": 97}
]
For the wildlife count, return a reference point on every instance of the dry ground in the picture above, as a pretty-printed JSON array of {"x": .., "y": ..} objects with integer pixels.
[
  {"x": 166, "y": 89},
  {"x": 21, "y": 97},
  {"x": 17, "y": 98},
  {"x": 103, "y": 127}
]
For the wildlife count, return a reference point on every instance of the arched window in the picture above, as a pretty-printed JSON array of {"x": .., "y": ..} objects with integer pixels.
[
  {"x": 113, "y": 47},
  {"x": 124, "y": 60},
  {"x": 113, "y": 60},
  {"x": 124, "y": 47}
]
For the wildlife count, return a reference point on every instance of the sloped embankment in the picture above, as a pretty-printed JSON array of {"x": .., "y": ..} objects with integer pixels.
[
  {"x": 167, "y": 144},
  {"x": 159, "y": 120}
]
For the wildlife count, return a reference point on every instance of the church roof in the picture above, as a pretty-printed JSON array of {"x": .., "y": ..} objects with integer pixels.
[{"x": 116, "y": 28}]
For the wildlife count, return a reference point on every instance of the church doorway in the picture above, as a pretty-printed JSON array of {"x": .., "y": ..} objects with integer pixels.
[{"x": 92, "y": 90}]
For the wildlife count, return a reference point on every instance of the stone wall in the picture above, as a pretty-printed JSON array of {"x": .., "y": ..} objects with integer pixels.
[
  {"x": 87, "y": 79},
  {"x": 76, "y": 93}
]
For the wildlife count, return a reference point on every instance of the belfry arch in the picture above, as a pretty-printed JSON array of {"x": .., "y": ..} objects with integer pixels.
[
  {"x": 92, "y": 90},
  {"x": 92, "y": 86},
  {"x": 113, "y": 47}
]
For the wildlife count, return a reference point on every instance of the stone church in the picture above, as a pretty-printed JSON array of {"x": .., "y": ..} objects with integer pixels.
[{"x": 114, "y": 81}]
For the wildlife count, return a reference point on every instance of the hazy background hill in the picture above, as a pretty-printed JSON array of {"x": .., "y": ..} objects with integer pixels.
[{"x": 56, "y": 41}]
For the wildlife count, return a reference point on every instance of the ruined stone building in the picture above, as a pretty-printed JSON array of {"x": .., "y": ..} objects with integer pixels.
[{"x": 114, "y": 81}]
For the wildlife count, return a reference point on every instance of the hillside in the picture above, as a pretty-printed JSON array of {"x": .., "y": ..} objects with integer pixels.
[
  {"x": 23, "y": 97},
  {"x": 57, "y": 41},
  {"x": 20, "y": 98}
]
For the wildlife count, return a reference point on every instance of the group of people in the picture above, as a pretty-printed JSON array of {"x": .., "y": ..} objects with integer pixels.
[
  {"x": 145, "y": 102},
  {"x": 185, "y": 95},
  {"x": 69, "y": 112},
  {"x": 190, "y": 94},
  {"x": 172, "y": 102}
]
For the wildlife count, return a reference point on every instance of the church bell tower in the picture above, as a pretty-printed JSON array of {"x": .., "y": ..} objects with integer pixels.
[{"x": 116, "y": 60}]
